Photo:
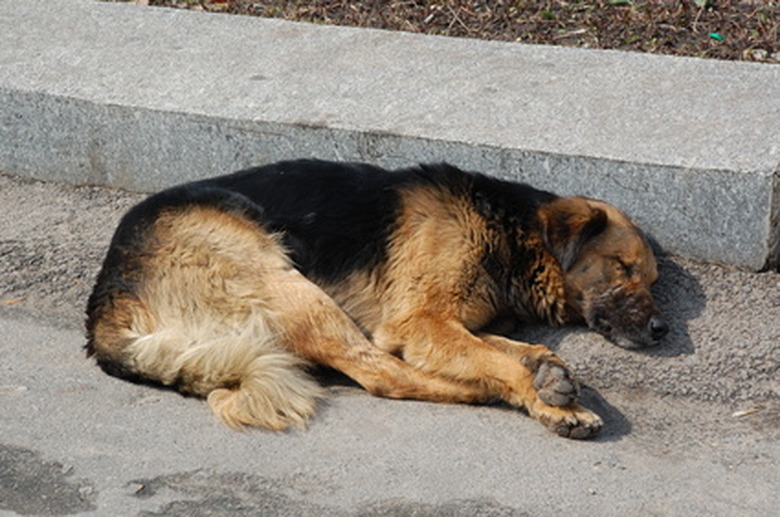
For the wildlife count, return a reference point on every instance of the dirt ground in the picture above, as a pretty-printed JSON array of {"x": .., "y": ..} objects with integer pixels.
[{"x": 721, "y": 29}]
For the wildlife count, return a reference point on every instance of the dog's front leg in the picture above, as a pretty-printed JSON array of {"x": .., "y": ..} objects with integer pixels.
[
  {"x": 556, "y": 386},
  {"x": 554, "y": 382},
  {"x": 530, "y": 376}
]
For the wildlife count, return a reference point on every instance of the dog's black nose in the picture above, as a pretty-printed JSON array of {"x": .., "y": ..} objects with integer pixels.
[{"x": 658, "y": 327}]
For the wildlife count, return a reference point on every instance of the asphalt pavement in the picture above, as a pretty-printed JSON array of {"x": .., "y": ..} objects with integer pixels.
[{"x": 691, "y": 428}]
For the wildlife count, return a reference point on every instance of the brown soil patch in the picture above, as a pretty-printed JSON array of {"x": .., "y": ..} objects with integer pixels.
[{"x": 721, "y": 29}]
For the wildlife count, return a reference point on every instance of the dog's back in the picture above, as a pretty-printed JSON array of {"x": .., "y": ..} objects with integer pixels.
[{"x": 334, "y": 217}]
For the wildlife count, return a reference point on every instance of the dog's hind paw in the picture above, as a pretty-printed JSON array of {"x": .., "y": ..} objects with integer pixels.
[
  {"x": 573, "y": 421},
  {"x": 554, "y": 383}
]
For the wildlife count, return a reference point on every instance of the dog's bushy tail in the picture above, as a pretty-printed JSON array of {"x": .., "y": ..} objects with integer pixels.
[
  {"x": 259, "y": 386},
  {"x": 246, "y": 378}
]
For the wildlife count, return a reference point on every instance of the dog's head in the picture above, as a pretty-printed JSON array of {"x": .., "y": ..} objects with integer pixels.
[{"x": 608, "y": 268}]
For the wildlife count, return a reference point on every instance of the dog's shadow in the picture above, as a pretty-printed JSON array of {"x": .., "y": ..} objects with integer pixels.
[
  {"x": 681, "y": 298},
  {"x": 616, "y": 425}
]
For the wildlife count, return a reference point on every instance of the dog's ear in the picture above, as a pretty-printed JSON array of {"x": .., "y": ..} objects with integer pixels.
[{"x": 567, "y": 223}]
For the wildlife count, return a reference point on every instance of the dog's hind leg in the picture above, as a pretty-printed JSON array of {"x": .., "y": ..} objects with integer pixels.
[
  {"x": 188, "y": 309},
  {"x": 315, "y": 328}
]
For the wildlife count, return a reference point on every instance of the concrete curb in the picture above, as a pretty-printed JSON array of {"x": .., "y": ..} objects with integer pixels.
[{"x": 142, "y": 98}]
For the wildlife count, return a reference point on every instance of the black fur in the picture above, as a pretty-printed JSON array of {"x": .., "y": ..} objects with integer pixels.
[{"x": 335, "y": 217}]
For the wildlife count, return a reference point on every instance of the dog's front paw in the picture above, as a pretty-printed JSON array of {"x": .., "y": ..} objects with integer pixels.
[
  {"x": 573, "y": 421},
  {"x": 554, "y": 383}
]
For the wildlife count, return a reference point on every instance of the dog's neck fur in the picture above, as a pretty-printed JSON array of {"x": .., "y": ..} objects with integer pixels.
[{"x": 536, "y": 288}]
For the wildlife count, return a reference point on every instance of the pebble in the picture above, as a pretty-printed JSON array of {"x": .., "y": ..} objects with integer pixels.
[{"x": 759, "y": 54}]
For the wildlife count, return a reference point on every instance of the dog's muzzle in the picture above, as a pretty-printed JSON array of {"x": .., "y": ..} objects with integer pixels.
[{"x": 628, "y": 319}]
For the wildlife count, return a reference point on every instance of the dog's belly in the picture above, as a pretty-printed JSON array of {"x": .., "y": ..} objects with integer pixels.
[{"x": 361, "y": 296}]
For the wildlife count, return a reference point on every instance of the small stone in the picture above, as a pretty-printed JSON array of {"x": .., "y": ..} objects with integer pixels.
[{"x": 759, "y": 54}]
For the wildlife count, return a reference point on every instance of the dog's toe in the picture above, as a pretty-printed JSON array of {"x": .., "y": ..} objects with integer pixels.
[
  {"x": 583, "y": 425},
  {"x": 573, "y": 421}
]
